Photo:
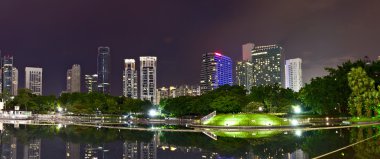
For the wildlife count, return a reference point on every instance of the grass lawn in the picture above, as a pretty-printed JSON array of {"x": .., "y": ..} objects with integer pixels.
[
  {"x": 247, "y": 134},
  {"x": 364, "y": 119},
  {"x": 246, "y": 120}
]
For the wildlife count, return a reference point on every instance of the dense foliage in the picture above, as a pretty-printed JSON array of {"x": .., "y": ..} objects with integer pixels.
[
  {"x": 231, "y": 99},
  {"x": 78, "y": 103},
  {"x": 364, "y": 97},
  {"x": 330, "y": 94}
]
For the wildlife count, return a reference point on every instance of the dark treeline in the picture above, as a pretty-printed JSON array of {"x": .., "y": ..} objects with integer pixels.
[
  {"x": 77, "y": 103},
  {"x": 231, "y": 99},
  {"x": 329, "y": 95}
]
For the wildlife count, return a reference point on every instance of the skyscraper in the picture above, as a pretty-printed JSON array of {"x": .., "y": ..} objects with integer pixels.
[
  {"x": 293, "y": 74},
  {"x": 247, "y": 51},
  {"x": 73, "y": 79},
  {"x": 9, "y": 75},
  {"x": 14, "y": 81},
  {"x": 33, "y": 79},
  {"x": 268, "y": 65},
  {"x": 244, "y": 74},
  {"x": 91, "y": 82},
  {"x": 148, "y": 78},
  {"x": 130, "y": 79},
  {"x": 216, "y": 70},
  {"x": 103, "y": 69}
]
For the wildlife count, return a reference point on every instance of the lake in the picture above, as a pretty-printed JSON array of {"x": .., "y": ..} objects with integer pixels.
[{"x": 74, "y": 142}]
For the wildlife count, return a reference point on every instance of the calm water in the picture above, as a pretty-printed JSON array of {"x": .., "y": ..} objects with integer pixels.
[{"x": 74, "y": 142}]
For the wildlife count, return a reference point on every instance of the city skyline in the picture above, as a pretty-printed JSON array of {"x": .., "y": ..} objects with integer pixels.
[{"x": 317, "y": 32}]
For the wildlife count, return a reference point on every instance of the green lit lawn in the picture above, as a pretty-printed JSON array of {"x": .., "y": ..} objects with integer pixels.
[
  {"x": 365, "y": 119},
  {"x": 246, "y": 120},
  {"x": 247, "y": 134}
]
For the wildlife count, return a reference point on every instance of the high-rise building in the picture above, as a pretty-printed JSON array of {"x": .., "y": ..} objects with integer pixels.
[
  {"x": 9, "y": 76},
  {"x": 268, "y": 65},
  {"x": 293, "y": 74},
  {"x": 14, "y": 81},
  {"x": 244, "y": 74},
  {"x": 130, "y": 79},
  {"x": 91, "y": 83},
  {"x": 104, "y": 58},
  {"x": 247, "y": 51},
  {"x": 33, "y": 79},
  {"x": 148, "y": 78},
  {"x": 73, "y": 79},
  {"x": 216, "y": 70}
]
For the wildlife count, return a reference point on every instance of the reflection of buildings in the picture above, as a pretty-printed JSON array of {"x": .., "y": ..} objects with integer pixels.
[
  {"x": 298, "y": 154},
  {"x": 72, "y": 150},
  {"x": 32, "y": 150},
  {"x": 9, "y": 147},
  {"x": 140, "y": 150}
]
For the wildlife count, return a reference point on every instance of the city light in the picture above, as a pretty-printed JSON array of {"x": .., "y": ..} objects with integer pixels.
[
  {"x": 297, "y": 109},
  {"x": 59, "y": 109},
  {"x": 218, "y": 54},
  {"x": 153, "y": 113},
  {"x": 294, "y": 122}
]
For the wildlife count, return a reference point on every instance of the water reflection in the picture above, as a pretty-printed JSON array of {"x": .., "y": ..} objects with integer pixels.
[{"x": 74, "y": 142}]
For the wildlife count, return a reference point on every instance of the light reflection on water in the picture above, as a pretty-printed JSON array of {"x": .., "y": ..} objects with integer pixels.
[{"x": 70, "y": 142}]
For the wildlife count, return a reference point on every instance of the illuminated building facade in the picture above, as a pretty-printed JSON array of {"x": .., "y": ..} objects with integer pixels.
[
  {"x": 9, "y": 76},
  {"x": 130, "y": 79},
  {"x": 244, "y": 74},
  {"x": 104, "y": 58},
  {"x": 247, "y": 51},
  {"x": 148, "y": 78},
  {"x": 293, "y": 74},
  {"x": 73, "y": 79},
  {"x": 91, "y": 82},
  {"x": 33, "y": 79},
  {"x": 216, "y": 70},
  {"x": 268, "y": 65}
]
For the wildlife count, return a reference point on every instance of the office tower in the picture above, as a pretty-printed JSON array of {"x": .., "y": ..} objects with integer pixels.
[
  {"x": 104, "y": 69},
  {"x": 73, "y": 79},
  {"x": 244, "y": 74},
  {"x": 148, "y": 78},
  {"x": 14, "y": 81},
  {"x": 172, "y": 92},
  {"x": 91, "y": 82},
  {"x": 293, "y": 74},
  {"x": 247, "y": 51},
  {"x": 33, "y": 79},
  {"x": 130, "y": 79},
  {"x": 32, "y": 150},
  {"x": 216, "y": 71},
  {"x": 268, "y": 65},
  {"x": 9, "y": 76}
]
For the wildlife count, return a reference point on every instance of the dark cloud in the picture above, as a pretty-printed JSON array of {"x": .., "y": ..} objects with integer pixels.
[{"x": 57, "y": 34}]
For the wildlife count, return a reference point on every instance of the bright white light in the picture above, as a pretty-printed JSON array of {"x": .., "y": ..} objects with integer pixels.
[
  {"x": 298, "y": 133},
  {"x": 59, "y": 126},
  {"x": 297, "y": 109},
  {"x": 153, "y": 113},
  {"x": 260, "y": 109},
  {"x": 294, "y": 122},
  {"x": 59, "y": 109}
]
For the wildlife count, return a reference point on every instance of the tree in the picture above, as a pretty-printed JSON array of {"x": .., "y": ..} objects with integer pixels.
[
  {"x": 364, "y": 95},
  {"x": 253, "y": 107}
]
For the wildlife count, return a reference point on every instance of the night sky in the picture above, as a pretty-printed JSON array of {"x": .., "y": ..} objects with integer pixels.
[{"x": 54, "y": 34}]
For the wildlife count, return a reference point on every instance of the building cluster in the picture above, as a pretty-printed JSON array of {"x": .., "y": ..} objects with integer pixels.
[
  {"x": 260, "y": 65},
  {"x": 9, "y": 77},
  {"x": 266, "y": 65}
]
